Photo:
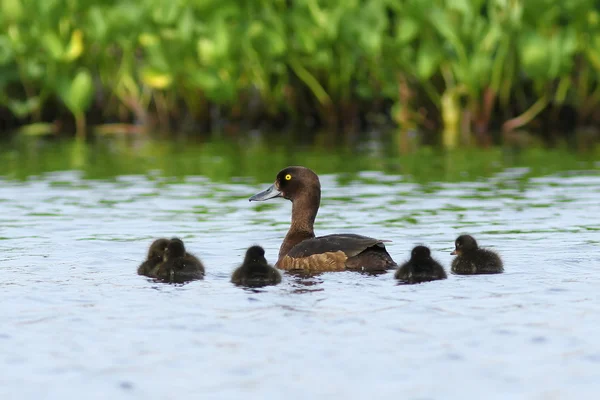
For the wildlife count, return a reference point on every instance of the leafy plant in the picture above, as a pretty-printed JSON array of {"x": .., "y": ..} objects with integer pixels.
[{"x": 457, "y": 67}]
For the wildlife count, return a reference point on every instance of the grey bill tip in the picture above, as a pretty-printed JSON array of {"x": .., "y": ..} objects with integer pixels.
[{"x": 269, "y": 193}]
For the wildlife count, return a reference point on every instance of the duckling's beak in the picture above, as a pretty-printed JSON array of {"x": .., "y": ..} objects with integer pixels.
[
  {"x": 270, "y": 193},
  {"x": 454, "y": 253}
]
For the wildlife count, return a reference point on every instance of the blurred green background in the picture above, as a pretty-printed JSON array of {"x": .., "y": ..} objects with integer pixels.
[{"x": 455, "y": 72}]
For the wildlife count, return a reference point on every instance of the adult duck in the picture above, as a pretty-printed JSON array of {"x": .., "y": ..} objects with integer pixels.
[{"x": 301, "y": 250}]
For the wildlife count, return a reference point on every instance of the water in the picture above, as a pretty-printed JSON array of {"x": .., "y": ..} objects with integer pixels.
[{"x": 78, "y": 322}]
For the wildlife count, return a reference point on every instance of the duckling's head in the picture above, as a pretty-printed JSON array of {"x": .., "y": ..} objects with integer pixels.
[
  {"x": 255, "y": 254},
  {"x": 464, "y": 243},
  {"x": 157, "y": 248},
  {"x": 291, "y": 183},
  {"x": 420, "y": 253},
  {"x": 174, "y": 249}
]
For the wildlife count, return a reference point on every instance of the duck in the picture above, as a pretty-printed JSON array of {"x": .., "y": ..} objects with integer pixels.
[
  {"x": 155, "y": 257},
  {"x": 178, "y": 265},
  {"x": 255, "y": 271},
  {"x": 301, "y": 250},
  {"x": 420, "y": 268},
  {"x": 470, "y": 259}
]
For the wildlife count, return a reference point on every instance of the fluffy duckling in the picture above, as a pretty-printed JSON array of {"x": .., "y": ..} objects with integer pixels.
[
  {"x": 155, "y": 257},
  {"x": 255, "y": 271},
  {"x": 473, "y": 260},
  {"x": 179, "y": 266},
  {"x": 420, "y": 268}
]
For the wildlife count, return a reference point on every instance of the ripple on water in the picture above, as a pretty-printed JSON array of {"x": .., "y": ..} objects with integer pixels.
[{"x": 77, "y": 321}]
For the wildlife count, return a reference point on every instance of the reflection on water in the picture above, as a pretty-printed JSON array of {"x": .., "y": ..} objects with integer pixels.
[
  {"x": 255, "y": 158},
  {"x": 76, "y": 221}
]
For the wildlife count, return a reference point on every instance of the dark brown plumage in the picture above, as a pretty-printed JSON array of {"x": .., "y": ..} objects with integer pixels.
[
  {"x": 470, "y": 259},
  {"x": 179, "y": 266},
  {"x": 255, "y": 271},
  {"x": 301, "y": 250},
  {"x": 154, "y": 258},
  {"x": 420, "y": 268}
]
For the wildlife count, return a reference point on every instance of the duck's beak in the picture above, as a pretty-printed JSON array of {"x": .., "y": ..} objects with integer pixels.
[
  {"x": 454, "y": 253},
  {"x": 270, "y": 193}
]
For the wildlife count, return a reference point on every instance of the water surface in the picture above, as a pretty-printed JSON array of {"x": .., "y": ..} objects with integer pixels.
[{"x": 77, "y": 322}]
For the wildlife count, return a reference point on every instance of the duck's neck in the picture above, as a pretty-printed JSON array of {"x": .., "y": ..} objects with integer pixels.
[{"x": 304, "y": 211}]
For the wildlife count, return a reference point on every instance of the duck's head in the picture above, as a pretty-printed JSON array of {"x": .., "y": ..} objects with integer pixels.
[
  {"x": 464, "y": 243},
  {"x": 174, "y": 249},
  {"x": 157, "y": 248},
  {"x": 291, "y": 183},
  {"x": 255, "y": 254},
  {"x": 420, "y": 253}
]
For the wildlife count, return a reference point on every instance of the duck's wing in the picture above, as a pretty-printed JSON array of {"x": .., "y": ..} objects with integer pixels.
[
  {"x": 338, "y": 253},
  {"x": 348, "y": 243}
]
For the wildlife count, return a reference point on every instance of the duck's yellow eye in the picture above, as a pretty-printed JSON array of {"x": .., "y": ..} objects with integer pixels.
[{"x": 288, "y": 177}]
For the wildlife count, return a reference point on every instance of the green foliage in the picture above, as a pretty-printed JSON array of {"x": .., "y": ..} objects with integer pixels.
[{"x": 457, "y": 58}]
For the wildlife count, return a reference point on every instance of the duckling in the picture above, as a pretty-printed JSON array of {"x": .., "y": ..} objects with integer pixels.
[
  {"x": 154, "y": 258},
  {"x": 473, "y": 260},
  {"x": 255, "y": 271},
  {"x": 179, "y": 266},
  {"x": 420, "y": 268}
]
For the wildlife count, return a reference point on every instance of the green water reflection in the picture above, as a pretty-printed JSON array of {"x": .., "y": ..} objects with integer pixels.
[{"x": 258, "y": 158}]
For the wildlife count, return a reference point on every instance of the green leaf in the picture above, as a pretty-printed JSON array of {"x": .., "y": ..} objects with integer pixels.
[
  {"x": 34, "y": 69},
  {"x": 407, "y": 29},
  {"x": 205, "y": 79},
  {"x": 166, "y": 13},
  {"x": 77, "y": 93},
  {"x": 185, "y": 27},
  {"x": 534, "y": 55},
  {"x": 465, "y": 7},
  {"x": 75, "y": 47},
  {"x": 54, "y": 45},
  {"x": 37, "y": 129},
  {"x": 6, "y": 51},
  {"x": 428, "y": 59},
  {"x": 24, "y": 108},
  {"x": 97, "y": 27},
  {"x": 480, "y": 70},
  {"x": 593, "y": 57},
  {"x": 206, "y": 50},
  {"x": 12, "y": 10}
]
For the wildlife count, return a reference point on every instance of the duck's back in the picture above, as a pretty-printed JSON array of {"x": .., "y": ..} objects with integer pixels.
[
  {"x": 337, "y": 253},
  {"x": 480, "y": 261}
]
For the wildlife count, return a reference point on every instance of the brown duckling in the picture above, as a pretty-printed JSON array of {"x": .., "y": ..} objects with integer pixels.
[
  {"x": 255, "y": 271},
  {"x": 420, "y": 268},
  {"x": 301, "y": 250},
  {"x": 154, "y": 258},
  {"x": 470, "y": 259},
  {"x": 179, "y": 266}
]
